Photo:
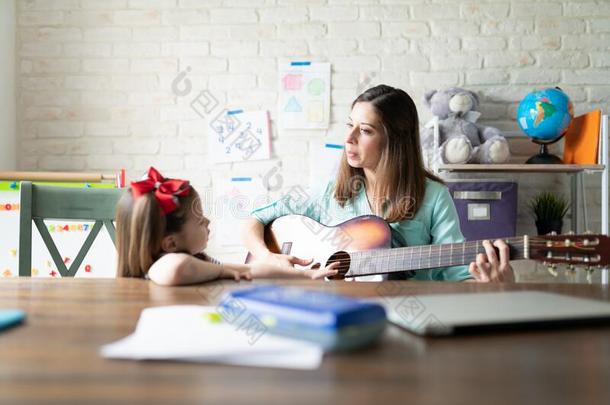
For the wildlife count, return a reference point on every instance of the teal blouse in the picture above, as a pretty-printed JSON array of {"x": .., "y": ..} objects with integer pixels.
[{"x": 436, "y": 221}]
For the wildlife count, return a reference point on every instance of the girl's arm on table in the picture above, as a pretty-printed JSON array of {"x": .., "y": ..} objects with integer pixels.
[{"x": 181, "y": 269}]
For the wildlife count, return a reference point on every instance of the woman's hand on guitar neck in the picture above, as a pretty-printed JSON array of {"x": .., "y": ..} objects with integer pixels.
[{"x": 489, "y": 268}]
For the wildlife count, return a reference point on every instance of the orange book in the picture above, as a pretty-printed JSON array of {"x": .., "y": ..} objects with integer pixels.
[{"x": 582, "y": 139}]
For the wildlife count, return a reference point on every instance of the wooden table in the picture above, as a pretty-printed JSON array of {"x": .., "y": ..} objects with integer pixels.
[{"x": 53, "y": 358}]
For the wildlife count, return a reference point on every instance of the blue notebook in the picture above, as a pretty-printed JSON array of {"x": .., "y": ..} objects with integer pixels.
[
  {"x": 10, "y": 317},
  {"x": 332, "y": 321}
]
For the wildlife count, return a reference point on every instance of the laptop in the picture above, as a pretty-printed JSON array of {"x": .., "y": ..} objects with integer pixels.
[{"x": 447, "y": 314}]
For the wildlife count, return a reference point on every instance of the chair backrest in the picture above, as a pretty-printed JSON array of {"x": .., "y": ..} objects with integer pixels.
[{"x": 40, "y": 202}]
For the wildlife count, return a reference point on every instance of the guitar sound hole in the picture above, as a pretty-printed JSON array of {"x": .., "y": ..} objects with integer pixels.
[{"x": 344, "y": 259}]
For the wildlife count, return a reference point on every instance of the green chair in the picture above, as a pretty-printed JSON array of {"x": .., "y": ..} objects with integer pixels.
[{"x": 40, "y": 202}]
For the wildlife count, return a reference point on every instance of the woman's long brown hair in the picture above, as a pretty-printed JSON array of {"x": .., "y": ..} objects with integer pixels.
[
  {"x": 141, "y": 226},
  {"x": 400, "y": 175}
]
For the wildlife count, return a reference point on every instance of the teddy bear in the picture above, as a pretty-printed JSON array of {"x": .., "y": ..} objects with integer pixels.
[{"x": 461, "y": 140}]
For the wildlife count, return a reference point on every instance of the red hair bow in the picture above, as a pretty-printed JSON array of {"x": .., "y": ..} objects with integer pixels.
[{"x": 166, "y": 191}]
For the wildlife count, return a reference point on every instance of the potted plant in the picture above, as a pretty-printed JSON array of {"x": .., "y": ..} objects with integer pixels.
[{"x": 548, "y": 210}]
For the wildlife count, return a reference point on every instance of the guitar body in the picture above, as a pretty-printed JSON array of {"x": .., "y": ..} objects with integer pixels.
[{"x": 306, "y": 238}]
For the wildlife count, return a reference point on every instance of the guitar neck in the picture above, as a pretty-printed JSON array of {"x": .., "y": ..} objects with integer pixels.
[{"x": 427, "y": 256}]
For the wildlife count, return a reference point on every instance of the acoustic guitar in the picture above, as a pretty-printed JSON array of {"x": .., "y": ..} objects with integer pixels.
[{"x": 362, "y": 246}]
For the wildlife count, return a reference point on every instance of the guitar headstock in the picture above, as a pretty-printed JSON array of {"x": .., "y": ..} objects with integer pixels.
[{"x": 577, "y": 250}]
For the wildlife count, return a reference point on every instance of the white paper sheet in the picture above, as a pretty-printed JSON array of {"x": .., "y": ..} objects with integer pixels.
[
  {"x": 324, "y": 163},
  {"x": 239, "y": 136},
  {"x": 304, "y": 95},
  {"x": 235, "y": 197},
  {"x": 186, "y": 333}
]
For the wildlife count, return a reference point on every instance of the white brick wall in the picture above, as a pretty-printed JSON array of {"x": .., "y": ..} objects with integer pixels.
[
  {"x": 8, "y": 124},
  {"x": 94, "y": 78}
]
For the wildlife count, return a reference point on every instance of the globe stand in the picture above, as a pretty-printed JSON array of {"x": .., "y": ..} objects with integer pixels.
[{"x": 544, "y": 157}]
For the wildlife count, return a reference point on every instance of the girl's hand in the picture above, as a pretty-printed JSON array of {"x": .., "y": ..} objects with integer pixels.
[
  {"x": 235, "y": 274},
  {"x": 488, "y": 268}
]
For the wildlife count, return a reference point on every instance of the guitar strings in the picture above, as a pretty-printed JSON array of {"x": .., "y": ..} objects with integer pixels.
[
  {"x": 438, "y": 249},
  {"x": 426, "y": 260}
]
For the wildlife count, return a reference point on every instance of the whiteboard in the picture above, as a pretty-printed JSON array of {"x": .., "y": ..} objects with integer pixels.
[{"x": 100, "y": 262}]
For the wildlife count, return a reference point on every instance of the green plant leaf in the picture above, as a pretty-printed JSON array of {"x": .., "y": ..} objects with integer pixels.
[{"x": 548, "y": 206}]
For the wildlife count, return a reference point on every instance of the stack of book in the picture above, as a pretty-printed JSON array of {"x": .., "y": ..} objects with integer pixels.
[{"x": 583, "y": 141}]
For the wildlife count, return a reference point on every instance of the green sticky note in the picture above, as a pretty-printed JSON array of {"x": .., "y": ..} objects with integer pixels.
[{"x": 213, "y": 317}]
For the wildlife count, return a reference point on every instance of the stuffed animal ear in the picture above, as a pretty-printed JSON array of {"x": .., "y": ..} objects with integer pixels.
[
  {"x": 476, "y": 99},
  {"x": 428, "y": 96}
]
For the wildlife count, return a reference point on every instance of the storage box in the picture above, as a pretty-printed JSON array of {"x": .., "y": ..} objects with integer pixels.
[{"x": 487, "y": 208}]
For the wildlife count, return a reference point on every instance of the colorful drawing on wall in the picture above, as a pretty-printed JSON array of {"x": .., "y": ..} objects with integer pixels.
[
  {"x": 315, "y": 87},
  {"x": 293, "y": 105},
  {"x": 324, "y": 162},
  {"x": 68, "y": 237},
  {"x": 240, "y": 135},
  {"x": 315, "y": 111},
  {"x": 304, "y": 100},
  {"x": 292, "y": 81},
  {"x": 235, "y": 198}
]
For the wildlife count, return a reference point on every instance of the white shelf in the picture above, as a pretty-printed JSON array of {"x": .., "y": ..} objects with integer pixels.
[
  {"x": 575, "y": 170},
  {"x": 520, "y": 168}
]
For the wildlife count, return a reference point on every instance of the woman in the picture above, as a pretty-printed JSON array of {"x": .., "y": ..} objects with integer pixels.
[{"x": 382, "y": 173}]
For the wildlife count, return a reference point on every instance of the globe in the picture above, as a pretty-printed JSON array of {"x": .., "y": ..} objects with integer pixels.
[{"x": 545, "y": 116}]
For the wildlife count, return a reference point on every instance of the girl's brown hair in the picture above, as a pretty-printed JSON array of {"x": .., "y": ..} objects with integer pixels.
[
  {"x": 141, "y": 226},
  {"x": 400, "y": 174}
]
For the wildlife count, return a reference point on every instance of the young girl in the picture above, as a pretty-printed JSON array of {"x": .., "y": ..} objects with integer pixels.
[{"x": 162, "y": 232}]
